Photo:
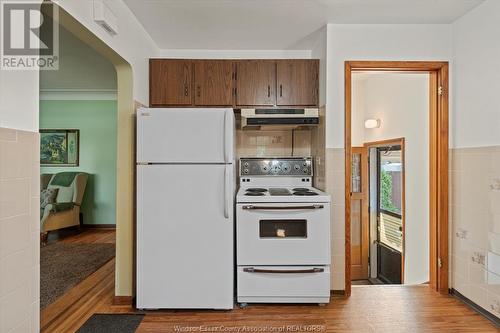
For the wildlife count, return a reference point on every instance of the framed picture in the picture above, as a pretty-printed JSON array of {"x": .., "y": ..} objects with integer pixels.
[{"x": 59, "y": 147}]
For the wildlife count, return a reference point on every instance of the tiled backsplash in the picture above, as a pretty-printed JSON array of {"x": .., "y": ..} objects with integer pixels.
[
  {"x": 279, "y": 143},
  {"x": 475, "y": 225},
  {"x": 19, "y": 231}
]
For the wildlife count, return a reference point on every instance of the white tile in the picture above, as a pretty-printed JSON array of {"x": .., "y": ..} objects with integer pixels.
[
  {"x": 15, "y": 234},
  {"x": 35, "y": 283},
  {"x": 23, "y": 327},
  {"x": 15, "y": 271},
  {"x": 338, "y": 263},
  {"x": 460, "y": 266},
  {"x": 493, "y": 283},
  {"x": 493, "y": 263},
  {"x": 35, "y": 317},
  {"x": 15, "y": 308},
  {"x": 494, "y": 242}
]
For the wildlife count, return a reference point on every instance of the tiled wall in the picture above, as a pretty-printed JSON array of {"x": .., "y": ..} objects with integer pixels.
[
  {"x": 335, "y": 186},
  {"x": 19, "y": 231},
  {"x": 279, "y": 143},
  {"x": 475, "y": 225}
]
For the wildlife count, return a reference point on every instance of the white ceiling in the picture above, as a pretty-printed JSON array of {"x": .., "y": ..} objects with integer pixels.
[{"x": 276, "y": 24}]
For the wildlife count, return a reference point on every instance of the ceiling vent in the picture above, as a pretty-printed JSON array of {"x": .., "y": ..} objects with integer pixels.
[{"x": 105, "y": 17}]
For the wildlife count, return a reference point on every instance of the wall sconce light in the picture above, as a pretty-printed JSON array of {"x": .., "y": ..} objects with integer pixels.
[{"x": 372, "y": 123}]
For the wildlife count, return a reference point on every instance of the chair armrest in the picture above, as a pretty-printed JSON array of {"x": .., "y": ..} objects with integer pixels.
[{"x": 61, "y": 206}]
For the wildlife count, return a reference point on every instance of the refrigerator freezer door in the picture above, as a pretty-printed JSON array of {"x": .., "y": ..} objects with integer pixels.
[
  {"x": 184, "y": 241},
  {"x": 185, "y": 135}
]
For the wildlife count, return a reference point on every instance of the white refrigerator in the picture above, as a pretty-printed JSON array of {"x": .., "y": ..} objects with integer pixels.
[{"x": 185, "y": 214}]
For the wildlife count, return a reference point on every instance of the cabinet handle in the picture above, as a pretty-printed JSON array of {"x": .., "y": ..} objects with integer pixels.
[
  {"x": 268, "y": 91},
  {"x": 185, "y": 90},
  {"x": 199, "y": 90},
  {"x": 281, "y": 90}
]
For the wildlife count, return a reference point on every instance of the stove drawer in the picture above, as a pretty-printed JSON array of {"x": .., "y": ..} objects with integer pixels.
[
  {"x": 283, "y": 281},
  {"x": 283, "y": 234}
]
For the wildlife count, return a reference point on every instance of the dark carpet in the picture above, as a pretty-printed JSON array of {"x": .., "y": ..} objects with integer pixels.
[
  {"x": 111, "y": 323},
  {"x": 62, "y": 266}
]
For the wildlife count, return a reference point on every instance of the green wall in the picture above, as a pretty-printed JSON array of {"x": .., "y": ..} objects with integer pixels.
[{"x": 96, "y": 121}]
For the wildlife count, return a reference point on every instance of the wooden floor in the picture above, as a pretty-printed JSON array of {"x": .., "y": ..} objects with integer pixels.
[{"x": 369, "y": 309}]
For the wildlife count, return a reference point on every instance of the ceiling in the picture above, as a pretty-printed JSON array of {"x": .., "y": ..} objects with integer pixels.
[{"x": 276, "y": 24}]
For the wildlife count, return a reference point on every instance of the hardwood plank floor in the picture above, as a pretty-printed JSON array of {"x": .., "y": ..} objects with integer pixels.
[{"x": 369, "y": 309}]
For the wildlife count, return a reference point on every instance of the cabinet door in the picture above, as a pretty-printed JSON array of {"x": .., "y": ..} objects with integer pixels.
[
  {"x": 297, "y": 82},
  {"x": 213, "y": 82},
  {"x": 256, "y": 83},
  {"x": 170, "y": 82}
]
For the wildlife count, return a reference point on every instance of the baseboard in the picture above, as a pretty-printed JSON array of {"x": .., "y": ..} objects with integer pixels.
[
  {"x": 337, "y": 292},
  {"x": 99, "y": 226},
  {"x": 123, "y": 300},
  {"x": 485, "y": 313}
]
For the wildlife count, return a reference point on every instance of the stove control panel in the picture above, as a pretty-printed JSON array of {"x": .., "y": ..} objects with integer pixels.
[{"x": 286, "y": 166}]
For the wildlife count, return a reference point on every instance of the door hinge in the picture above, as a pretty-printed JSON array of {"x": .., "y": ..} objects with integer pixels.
[
  {"x": 440, "y": 90},
  {"x": 440, "y": 263}
]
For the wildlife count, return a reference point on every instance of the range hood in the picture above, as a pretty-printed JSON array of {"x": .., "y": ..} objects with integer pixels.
[{"x": 279, "y": 118}]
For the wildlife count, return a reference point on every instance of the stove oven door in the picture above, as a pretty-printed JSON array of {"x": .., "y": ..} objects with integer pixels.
[{"x": 283, "y": 234}]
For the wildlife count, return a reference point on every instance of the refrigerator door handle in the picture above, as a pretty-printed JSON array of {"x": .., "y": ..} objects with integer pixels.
[
  {"x": 226, "y": 191},
  {"x": 227, "y": 139}
]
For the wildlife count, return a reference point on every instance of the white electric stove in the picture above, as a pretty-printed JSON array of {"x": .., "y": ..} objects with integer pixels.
[{"x": 282, "y": 233}]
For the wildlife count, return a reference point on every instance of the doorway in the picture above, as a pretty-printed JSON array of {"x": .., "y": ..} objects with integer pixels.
[
  {"x": 437, "y": 166},
  {"x": 377, "y": 213}
]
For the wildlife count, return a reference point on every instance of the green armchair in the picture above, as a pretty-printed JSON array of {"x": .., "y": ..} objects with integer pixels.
[{"x": 65, "y": 211}]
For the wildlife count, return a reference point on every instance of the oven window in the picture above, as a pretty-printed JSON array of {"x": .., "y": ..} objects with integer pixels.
[{"x": 283, "y": 228}]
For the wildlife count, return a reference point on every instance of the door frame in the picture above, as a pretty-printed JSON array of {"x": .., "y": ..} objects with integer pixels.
[
  {"x": 394, "y": 142},
  {"x": 439, "y": 146}
]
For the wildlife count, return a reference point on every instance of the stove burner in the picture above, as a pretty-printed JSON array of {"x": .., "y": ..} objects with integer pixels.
[
  {"x": 305, "y": 193},
  {"x": 254, "y": 194},
  {"x": 256, "y": 190},
  {"x": 301, "y": 189}
]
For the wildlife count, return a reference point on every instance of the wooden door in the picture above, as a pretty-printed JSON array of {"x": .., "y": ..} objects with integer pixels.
[
  {"x": 170, "y": 82},
  {"x": 297, "y": 82},
  {"x": 360, "y": 228},
  {"x": 213, "y": 82},
  {"x": 256, "y": 83}
]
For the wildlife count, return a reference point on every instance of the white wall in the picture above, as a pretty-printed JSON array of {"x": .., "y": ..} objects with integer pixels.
[
  {"x": 319, "y": 51},
  {"x": 401, "y": 102},
  {"x": 132, "y": 43},
  {"x": 475, "y": 157},
  {"x": 475, "y": 117},
  {"x": 19, "y": 100},
  {"x": 235, "y": 54},
  {"x": 375, "y": 42}
]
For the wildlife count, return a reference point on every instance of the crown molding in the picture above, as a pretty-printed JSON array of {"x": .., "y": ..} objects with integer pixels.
[{"x": 78, "y": 94}]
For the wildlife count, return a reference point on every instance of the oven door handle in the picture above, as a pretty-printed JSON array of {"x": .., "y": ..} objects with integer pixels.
[
  {"x": 308, "y": 207},
  {"x": 283, "y": 271}
]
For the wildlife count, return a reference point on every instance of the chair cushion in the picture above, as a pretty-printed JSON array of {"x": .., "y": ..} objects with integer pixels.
[
  {"x": 65, "y": 194},
  {"x": 48, "y": 196}
]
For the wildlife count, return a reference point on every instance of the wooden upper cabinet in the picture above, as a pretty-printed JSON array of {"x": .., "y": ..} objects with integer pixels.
[
  {"x": 213, "y": 82},
  {"x": 170, "y": 82},
  {"x": 297, "y": 82},
  {"x": 256, "y": 83}
]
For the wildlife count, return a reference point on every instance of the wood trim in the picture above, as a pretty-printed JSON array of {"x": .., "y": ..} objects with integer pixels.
[
  {"x": 433, "y": 254},
  {"x": 400, "y": 142},
  {"x": 99, "y": 226},
  {"x": 439, "y": 136},
  {"x": 123, "y": 300},
  {"x": 348, "y": 157}
]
